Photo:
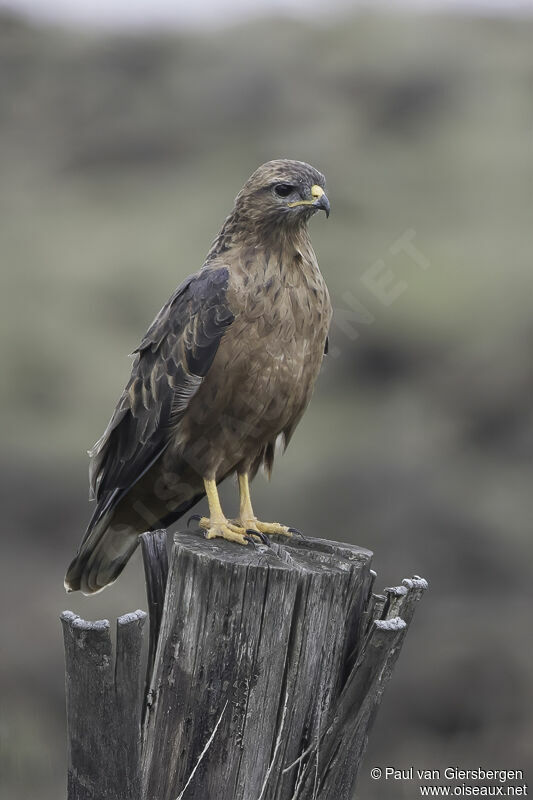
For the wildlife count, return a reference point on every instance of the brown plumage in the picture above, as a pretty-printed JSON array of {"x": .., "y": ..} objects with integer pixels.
[{"x": 227, "y": 366}]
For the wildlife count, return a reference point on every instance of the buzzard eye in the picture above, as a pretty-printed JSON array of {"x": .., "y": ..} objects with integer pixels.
[{"x": 283, "y": 189}]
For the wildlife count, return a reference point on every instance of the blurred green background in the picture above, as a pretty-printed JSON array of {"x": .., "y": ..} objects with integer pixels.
[{"x": 120, "y": 156}]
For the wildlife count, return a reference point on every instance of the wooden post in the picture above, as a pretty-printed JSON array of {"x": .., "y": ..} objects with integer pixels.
[
  {"x": 155, "y": 560},
  {"x": 266, "y": 670},
  {"x": 104, "y": 705}
]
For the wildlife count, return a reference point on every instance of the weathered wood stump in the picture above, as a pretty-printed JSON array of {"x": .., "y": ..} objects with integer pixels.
[
  {"x": 265, "y": 671},
  {"x": 104, "y": 704}
]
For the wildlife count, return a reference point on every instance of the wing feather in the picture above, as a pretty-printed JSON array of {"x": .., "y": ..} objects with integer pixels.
[{"x": 169, "y": 367}]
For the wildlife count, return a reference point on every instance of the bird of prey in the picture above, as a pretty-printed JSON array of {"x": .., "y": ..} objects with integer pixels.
[{"x": 227, "y": 366}]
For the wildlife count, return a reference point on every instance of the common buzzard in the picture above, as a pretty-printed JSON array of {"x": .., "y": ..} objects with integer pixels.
[{"x": 227, "y": 367}]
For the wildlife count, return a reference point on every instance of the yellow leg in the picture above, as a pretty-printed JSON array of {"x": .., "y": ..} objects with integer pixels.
[
  {"x": 247, "y": 518},
  {"x": 246, "y": 512},
  {"x": 217, "y": 524}
]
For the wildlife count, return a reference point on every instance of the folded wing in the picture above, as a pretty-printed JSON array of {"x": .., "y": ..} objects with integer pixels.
[{"x": 169, "y": 367}]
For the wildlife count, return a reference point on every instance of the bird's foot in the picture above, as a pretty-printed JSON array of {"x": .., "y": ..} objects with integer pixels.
[
  {"x": 268, "y": 528},
  {"x": 222, "y": 529}
]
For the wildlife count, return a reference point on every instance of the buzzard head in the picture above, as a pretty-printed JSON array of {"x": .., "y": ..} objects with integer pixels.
[{"x": 283, "y": 192}]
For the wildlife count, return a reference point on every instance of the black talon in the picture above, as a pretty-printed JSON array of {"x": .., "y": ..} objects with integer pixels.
[
  {"x": 249, "y": 539},
  {"x": 302, "y": 538},
  {"x": 264, "y": 538},
  {"x": 196, "y": 517}
]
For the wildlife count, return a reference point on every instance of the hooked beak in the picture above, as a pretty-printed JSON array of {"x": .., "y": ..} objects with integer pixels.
[{"x": 323, "y": 203}]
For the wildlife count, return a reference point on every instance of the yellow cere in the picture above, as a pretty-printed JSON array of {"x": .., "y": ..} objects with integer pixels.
[{"x": 316, "y": 192}]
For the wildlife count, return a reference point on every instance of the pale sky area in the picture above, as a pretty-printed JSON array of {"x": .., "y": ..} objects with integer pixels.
[{"x": 139, "y": 13}]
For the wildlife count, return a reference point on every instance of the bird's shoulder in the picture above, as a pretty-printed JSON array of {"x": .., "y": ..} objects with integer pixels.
[{"x": 203, "y": 293}]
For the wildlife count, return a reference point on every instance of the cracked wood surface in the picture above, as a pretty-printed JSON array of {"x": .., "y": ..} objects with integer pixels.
[
  {"x": 267, "y": 629},
  {"x": 269, "y": 669},
  {"x": 104, "y": 702}
]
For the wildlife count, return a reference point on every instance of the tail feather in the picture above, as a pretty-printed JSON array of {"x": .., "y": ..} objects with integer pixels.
[
  {"x": 113, "y": 535},
  {"x": 101, "y": 558}
]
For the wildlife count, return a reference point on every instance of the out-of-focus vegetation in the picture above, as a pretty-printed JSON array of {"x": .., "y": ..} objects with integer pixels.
[{"x": 119, "y": 158}]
